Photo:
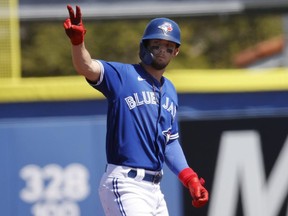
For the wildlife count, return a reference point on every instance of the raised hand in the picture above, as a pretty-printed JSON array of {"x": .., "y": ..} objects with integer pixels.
[{"x": 74, "y": 27}]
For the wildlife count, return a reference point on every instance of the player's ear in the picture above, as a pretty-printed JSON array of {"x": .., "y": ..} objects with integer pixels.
[{"x": 176, "y": 51}]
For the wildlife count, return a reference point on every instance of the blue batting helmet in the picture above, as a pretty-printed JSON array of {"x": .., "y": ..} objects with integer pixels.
[
  {"x": 159, "y": 28},
  {"x": 162, "y": 28}
]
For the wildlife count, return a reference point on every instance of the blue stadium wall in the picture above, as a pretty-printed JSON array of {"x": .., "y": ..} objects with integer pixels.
[{"x": 233, "y": 128}]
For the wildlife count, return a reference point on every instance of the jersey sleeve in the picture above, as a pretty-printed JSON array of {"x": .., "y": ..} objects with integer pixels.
[
  {"x": 112, "y": 79},
  {"x": 174, "y": 131}
]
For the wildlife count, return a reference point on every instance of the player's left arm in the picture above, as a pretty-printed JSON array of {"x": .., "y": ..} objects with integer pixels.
[{"x": 176, "y": 161}]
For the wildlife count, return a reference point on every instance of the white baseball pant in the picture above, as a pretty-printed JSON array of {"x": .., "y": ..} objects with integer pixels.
[{"x": 122, "y": 195}]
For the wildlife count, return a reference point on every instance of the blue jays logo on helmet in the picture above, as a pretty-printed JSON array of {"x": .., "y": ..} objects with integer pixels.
[{"x": 166, "y": 27}]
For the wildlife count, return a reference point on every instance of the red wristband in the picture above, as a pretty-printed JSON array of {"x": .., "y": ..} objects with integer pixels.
[{"x": 186, "y": 175}]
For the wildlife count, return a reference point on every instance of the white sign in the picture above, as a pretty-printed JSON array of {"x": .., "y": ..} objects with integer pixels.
[
  {"x": 240, "y": 167},
  {"x": 53, "y": 190}
]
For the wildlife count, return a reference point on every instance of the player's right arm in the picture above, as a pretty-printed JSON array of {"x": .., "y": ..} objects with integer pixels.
[
  {"x": 84, "y": 64},
  {"x": 82, "y": 60}
]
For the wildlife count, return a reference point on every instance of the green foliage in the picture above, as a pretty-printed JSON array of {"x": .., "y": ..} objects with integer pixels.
[
  {"x": 45, "y": 50},
  {"x": 207, "y": 43},
  {"x": 115, "y": 40},
  {"x": 212, "y": 42}
]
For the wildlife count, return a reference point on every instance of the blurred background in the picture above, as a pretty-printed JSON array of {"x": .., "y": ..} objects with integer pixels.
[{"x": 232, "y": 80}]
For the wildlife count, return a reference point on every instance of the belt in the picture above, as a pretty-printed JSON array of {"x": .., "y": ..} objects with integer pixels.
[{"x": 154, "y": 178}]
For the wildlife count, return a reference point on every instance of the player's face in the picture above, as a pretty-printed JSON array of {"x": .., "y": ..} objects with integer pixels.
[{"x": 163, "y": 51}]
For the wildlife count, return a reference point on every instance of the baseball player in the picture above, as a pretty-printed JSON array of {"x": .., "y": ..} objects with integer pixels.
[{"x": 142, "y": 131}]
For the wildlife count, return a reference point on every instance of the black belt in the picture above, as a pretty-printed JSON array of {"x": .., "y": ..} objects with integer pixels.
[{"x": 154, "y": 178}]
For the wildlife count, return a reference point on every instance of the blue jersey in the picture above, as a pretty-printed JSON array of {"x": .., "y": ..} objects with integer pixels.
[{"x": 141, "y": 118}]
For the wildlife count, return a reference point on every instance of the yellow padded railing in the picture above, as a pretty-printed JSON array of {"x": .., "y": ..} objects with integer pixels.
[{"x": 185, "y": 81}]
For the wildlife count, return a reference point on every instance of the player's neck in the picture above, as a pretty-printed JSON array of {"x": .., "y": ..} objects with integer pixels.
[{"x": 157, "y": 74}]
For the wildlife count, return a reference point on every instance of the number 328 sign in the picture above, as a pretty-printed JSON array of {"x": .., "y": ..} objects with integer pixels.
[{"x": 53, "y": 190}]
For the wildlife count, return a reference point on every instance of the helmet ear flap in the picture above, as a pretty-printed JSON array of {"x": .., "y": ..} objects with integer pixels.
[{"x": 145, "y": 55}]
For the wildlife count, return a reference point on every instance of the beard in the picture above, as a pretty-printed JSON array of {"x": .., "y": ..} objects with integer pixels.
[{"x": 159, "y": 65}]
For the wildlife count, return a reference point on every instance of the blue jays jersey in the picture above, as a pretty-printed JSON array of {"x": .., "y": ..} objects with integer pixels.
[{"x": 141, "y": 118}]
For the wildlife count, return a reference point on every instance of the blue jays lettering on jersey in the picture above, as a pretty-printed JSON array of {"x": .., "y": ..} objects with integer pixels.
[{"x": 141, "y": 118}]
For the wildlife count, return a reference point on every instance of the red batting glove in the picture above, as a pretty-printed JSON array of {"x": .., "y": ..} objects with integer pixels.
[
  {"x": 74, "y": 27},
  {"x": 196, "y": 187}
]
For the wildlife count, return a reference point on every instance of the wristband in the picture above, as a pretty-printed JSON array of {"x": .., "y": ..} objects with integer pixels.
[{"x": 186, "y": 175}]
